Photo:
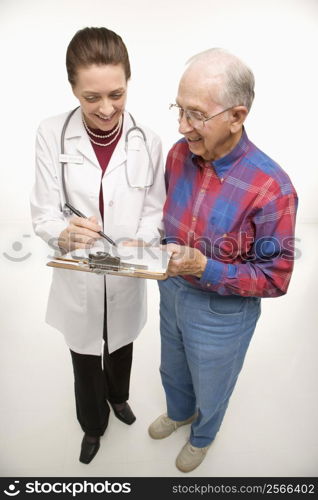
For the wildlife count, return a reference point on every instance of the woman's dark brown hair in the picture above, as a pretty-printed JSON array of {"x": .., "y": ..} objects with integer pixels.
[{"x": 95, "y": 46}]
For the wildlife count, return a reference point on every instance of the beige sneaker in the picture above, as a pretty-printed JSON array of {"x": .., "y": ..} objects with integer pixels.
[
  {"x": 163, "y": 426},
  {"x": 190, "y": 457}
]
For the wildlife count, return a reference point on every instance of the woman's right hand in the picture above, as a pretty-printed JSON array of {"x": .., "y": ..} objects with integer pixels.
[{"x": 80, "y": 233}]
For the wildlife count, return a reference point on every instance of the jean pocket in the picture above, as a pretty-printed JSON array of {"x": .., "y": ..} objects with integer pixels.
[{"x": 229, "y": 305}]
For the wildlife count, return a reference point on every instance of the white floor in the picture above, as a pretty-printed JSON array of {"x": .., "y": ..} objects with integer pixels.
[{"x": 270, "y": 428}]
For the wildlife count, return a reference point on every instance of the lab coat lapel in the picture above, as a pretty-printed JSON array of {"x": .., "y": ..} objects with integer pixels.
[
  {"x": 76, "y": 132},
  {"x": 85, "y": 147},
  {"x": 119, "y": 156}
]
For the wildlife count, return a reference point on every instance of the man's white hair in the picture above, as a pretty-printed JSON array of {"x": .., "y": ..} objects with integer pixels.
[{"x": 233, "y": 79}]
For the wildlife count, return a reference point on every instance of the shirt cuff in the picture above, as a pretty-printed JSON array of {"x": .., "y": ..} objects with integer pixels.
[{"x": 216, "y": 272}]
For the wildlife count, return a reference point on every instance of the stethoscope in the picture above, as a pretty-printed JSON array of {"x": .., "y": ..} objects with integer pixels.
[{"x": 134, "y": 128}]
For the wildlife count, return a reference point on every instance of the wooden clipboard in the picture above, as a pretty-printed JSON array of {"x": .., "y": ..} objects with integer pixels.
[{"x": 83, "y": 266}]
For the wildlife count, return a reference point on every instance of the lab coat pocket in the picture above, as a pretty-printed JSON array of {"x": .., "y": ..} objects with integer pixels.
[
  {"x": 232, "y": 305},
  {"x": 67, "y": 301},
  {"x": 69, "y": 289},
  {"x": 127, "y": 209},
  {"x": 82, "y": 179}
]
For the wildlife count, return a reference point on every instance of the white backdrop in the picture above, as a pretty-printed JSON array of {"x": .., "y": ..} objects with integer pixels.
[{"x": 277, "y": 38}]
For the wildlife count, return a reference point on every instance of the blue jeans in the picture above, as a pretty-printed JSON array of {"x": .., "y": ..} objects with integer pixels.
[{"x": 204, "y": 339}]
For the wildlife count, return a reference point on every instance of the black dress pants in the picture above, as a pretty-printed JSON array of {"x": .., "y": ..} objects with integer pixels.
[{"x": 94, "y": 384}]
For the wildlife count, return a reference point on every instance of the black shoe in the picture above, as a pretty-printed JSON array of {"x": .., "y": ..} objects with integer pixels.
[
  {"x": 125, "y": 415},
  {"x": 89, "y": 448}
]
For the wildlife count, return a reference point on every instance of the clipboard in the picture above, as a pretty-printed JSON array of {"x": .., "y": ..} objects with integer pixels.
[{"x": 153, "y": 265}]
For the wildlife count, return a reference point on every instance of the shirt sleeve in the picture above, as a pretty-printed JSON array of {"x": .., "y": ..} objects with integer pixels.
[{"x": 267, "y": 269}]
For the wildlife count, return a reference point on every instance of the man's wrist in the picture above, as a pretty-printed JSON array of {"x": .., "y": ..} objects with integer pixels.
[{"x": 203, "y": 264}]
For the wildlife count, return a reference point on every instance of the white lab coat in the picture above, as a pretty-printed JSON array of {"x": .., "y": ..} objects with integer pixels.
[{"x": 76, "y": 299}]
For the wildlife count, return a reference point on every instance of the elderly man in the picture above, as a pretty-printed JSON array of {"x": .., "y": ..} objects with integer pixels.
[{"x": 229, "y": 220}]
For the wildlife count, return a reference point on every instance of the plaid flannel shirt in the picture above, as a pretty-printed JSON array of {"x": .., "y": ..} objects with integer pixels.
[{"x": 239, "y": 211}]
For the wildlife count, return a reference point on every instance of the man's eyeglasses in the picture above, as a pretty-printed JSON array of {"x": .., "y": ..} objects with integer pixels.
[{"x": 195, "y": 118}]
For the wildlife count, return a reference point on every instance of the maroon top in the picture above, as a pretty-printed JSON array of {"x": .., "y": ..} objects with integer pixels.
[{"x": 103, "y": 154}]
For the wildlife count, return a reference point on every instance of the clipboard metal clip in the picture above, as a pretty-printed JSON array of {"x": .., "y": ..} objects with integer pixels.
[{"x": 103, "y": 261}]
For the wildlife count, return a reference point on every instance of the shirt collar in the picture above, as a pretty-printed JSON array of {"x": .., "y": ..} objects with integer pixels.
[{"x": 222, "y": 165}]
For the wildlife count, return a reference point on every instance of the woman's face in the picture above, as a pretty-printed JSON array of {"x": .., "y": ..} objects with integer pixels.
[{"x": 101, "y": 91}]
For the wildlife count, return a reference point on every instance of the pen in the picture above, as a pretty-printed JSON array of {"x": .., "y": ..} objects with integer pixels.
[{"x": 79, "y": 214}]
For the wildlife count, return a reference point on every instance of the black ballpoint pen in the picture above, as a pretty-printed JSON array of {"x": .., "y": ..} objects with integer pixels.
[{"x": 79, "y": 214}]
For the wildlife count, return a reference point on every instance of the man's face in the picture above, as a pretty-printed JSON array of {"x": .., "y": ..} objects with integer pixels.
[{"x": 210, "y": 140}]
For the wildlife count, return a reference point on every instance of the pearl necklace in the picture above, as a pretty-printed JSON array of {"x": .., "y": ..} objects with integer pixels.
[{"x": 116, "y": 131}]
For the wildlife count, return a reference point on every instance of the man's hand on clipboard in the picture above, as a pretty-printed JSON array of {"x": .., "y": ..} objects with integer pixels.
[{"x": 185, "y": 260}]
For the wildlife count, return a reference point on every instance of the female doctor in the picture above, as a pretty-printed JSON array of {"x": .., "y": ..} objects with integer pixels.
[{"x": 116, "y": 179}]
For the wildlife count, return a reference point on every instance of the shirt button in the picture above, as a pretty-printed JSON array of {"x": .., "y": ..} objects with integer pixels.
[
  {"x": 221, "y": 179},
  {"x": 194, "y": 219},
  {"x": 224, "y": 235},
  {"x": 111, "y": 203},
  {"x": 209, "y": 284},
  {"x": 202, "y": 190}
]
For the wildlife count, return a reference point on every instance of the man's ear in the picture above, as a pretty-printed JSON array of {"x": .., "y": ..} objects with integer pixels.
[{"x": 238, "y": 115}]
